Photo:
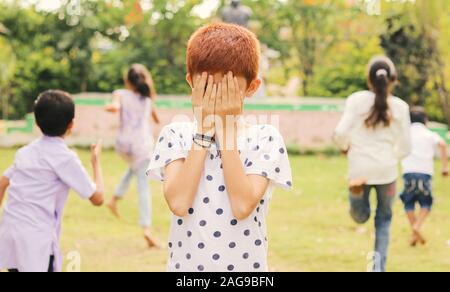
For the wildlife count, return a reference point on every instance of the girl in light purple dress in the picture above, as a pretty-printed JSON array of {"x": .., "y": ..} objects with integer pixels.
[{"x": 135, "y": 140}]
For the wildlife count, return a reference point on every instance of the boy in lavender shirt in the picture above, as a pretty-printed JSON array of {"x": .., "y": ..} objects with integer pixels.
[{"x": 38, "y": 184}]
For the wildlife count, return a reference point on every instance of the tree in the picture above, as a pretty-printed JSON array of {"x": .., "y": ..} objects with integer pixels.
[
  {"x": 7, "y": 63},
  {"x": 415, "y": 39}
]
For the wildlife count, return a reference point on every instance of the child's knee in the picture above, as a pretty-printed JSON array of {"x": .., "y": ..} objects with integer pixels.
[
  {"x": 360, "y": 217},
  {"x": 383, "y": 216}
]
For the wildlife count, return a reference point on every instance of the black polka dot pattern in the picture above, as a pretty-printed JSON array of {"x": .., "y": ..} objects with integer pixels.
[{"x": 209, "y": 238}]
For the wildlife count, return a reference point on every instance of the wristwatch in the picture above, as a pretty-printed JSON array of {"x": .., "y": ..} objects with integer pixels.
[{"x": 203, "y": 141}]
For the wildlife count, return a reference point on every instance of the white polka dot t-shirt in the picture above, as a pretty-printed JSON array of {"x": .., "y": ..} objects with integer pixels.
[{"x": 209, "y": 238}]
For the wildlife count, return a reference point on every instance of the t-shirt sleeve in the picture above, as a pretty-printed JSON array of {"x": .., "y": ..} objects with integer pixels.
[
  {"x": 436, "y": 138},
  {"x": 74, "y": 175},
  {"x": 9, "y": 172},
  {"x": 269, "y": 158},
  {"x": 171, "y": 146},
  {"x": 342, "y": 133}
]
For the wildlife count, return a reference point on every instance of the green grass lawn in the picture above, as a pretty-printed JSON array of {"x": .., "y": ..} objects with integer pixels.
[{"x": 309, "y": 228}]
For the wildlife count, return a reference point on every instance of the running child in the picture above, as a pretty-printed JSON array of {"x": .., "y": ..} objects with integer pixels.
[
  {"x": 38, "y": 184},
  {"x": 418, "y": 170},
  {"x": 374, "y": 131},
  {"x": 219, "y": 172},
  {"x": 135, "y": 141}
]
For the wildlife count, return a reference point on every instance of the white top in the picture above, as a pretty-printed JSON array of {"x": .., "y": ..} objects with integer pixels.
[
  {"x": 374, "y": 153},
  {"x": 209, "y": 238},
  {"x": 424, "y": 144},
  {"x": 40, "y": 179},
  {"x": 135, "y": 139}
]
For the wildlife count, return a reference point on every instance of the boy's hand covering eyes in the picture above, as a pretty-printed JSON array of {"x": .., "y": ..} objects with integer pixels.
[
  {"x": 220, "y": 101},
  {"x": 204, "y": 95},
  {"x": 230, "y": 100}
]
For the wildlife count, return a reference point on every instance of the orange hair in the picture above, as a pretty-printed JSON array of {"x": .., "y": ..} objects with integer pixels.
[{"x": 222, "y": 47}]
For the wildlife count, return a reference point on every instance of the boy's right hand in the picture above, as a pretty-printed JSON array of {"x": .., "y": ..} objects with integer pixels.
[
  {"x": 96, "y": 150},
  {"x": 204, "y": 95}
]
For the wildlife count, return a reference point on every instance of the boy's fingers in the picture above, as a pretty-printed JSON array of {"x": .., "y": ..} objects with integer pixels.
[
  {"x": 239, "y": 93},
  {"x": 219, "y": 94},
  {"x": 209, "y": 87},
  {"x": 231, "y": 87},
  {"x": 213, "y": 96},
  {"x": 224, "y": 90},
  {"x": 196, "y": 82},
  {"x": 203, "y": 82}
]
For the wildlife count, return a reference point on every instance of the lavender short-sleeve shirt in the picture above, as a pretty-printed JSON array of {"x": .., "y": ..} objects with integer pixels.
[{"x": 40, "y": 179}]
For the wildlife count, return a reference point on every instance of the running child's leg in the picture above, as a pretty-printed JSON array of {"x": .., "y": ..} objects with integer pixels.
[
  {"x": 145, "y": 206},
  {"x": 417, "y": 227},
  {"x": 425, "y": 198},
  {"x": 120, "y": 191},
  {"x": 360, "y": 204},
  {"x": 383, "y": 219},
  {"x": 412, "y": 221}
]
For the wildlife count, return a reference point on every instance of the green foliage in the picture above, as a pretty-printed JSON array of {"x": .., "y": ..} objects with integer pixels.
[{"x": 327, "y": 44}]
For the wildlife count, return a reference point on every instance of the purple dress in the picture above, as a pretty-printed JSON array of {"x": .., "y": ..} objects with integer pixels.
[
  {"x": 135, "y": 140},
  {"x": 40, "y": 179}
]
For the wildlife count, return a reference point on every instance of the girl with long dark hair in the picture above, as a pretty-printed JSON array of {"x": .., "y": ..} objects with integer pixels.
[{"x": 375, "y": 132}]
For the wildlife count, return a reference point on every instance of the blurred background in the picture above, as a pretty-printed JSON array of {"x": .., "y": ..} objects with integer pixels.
[{"x": 311, "y": 48}]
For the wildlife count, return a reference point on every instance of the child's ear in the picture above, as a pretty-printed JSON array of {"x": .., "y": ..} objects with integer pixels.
[
  {"x": 189, "y": 80},
  {"x": 253, "y": 87},
  {"x": 70, "y": 128}
]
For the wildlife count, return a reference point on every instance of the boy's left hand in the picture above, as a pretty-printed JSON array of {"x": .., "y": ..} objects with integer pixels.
[{"x": 229, "y": 105}]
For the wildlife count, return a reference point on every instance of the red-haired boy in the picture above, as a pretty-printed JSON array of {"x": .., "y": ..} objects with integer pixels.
[{"x": 219, "y": 172}]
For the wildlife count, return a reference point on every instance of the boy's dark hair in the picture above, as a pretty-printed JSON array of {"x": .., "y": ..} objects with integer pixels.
[
  {"x": 54, "y": 110},
  {"x": 419, "y": 115}
]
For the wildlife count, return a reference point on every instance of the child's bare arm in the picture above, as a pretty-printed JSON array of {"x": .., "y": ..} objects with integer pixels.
[
  {"x": 4, "y": 184},
  {"x": 444, "y": 156},
  {"x": 343, "y": 129},
  {"x": 114, "y": 106},
  {"x": 182, "y": 178},
  {"x": 97, "y": 198},
  {"x": 245, "y": 191},
  {"x": 155, "y": 117}
]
